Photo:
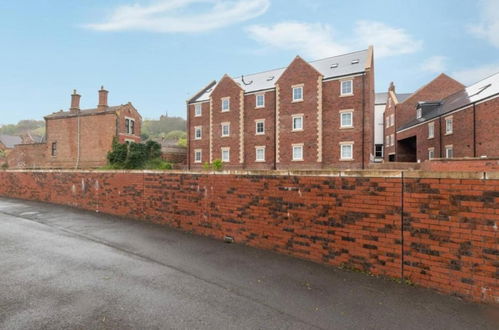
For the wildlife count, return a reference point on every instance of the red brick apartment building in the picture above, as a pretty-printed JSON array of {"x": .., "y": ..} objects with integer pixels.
[
  {"x": 444, "y": 119},
  {"x": 79, "y": 138},
  {"x": 309, "y": 115}
]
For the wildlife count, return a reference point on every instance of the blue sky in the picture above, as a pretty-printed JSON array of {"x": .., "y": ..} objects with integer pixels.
[{"x": 156, "y": 53}]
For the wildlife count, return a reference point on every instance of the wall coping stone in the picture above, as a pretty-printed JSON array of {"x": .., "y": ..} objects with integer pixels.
[{"x": 306, "y": 173}]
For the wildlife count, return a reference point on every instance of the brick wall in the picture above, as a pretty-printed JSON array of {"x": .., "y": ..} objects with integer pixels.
[
  {"x": 461, "y": 165},
  {"x": 353, "y": 219}
]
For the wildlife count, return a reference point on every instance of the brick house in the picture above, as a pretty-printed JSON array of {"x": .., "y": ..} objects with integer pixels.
[
  {"x": 309, "y": 115},
  {"x": 399, "y": 112},
  {"x": 447, "y": 121},
  {"x": 80, "y": 138}
]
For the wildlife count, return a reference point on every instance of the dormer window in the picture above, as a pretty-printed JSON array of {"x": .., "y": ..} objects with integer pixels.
[{"x": 419, "y": 113}]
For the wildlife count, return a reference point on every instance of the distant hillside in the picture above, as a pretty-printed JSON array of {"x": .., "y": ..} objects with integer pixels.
[
  {"x": 24, "y": 126},
  {"x": 160, "y": 128}
]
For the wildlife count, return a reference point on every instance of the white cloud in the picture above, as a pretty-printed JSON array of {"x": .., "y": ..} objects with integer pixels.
[
  {"x": 488, "y": 27},
  {"x": 171, "y": 16},
  {"x": 473, "y": 75},
  {"x": 434, "y": 64},
  {"x": 318, "y": 40},
  {"x": 314, "y": 40},
  {"x": 387, "y": 40}
]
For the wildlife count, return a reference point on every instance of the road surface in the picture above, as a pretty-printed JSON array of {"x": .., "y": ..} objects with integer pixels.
[{"x": 63, "y": 268}]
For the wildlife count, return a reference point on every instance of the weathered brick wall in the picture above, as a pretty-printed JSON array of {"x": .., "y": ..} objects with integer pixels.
[
  {"x": 449, "y": 240},
  {"x": 462, "y": 165}
]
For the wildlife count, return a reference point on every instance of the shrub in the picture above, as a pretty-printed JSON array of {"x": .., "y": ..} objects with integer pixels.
[
  {"x": 5, "y": 166},
  {"x": 136, "y": 156},
  {"x": 217, "y": 165}
]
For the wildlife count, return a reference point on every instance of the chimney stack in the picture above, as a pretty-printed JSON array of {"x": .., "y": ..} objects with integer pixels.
[
  {"x": 103, "y": 99},
  {"x": 75, "y": 102},
  {"x": 392, "y": 87}
]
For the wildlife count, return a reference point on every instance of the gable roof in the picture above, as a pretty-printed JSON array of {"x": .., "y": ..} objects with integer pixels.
[
  {"x": 382, "y": 98},
  {"x": 484, "y": 89},
  {"x": 9, "y": 141},
  {"x": 87, "y": 112},
  {"x": 440, "y": 76},
  {"x": 331, "y": 67}
]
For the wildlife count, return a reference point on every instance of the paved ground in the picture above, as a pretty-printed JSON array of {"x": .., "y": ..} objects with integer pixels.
[{"x": 65, "y": 268}]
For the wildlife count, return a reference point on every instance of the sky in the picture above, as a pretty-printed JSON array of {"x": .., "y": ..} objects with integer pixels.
[{"x": 157, "y": 53}]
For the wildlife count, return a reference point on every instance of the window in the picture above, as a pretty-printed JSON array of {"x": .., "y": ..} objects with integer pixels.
[
  {"x": 225, "y": 155},
  {"x": 419, "y": 113},
  {"x": 197, "y": 156},
  {"x": 392, "y": 119},
  {"x": 260, "y": 100},
  {"x": 347, "y": 87},
  {"x": 449, "y": 151},
  {"x": 198, "y": 133},
  {"x": 225, "y": 104},
  {"x": 129, "y": 126},
  {"x": 54, "y": 149},
  {"x": 260, "y": 126},
  {"x": 297, "y": 152},
  {"x": 225, "y": 129},
  {"x": 387, "y": 140},
  {"x": 378, "y": 150},
  {"x": 197, "y": 110},
  {"x": 431, "y": 130},
  {"x": 346, "y": 150},
  {"x": 297, "y": 122},
  {"x": 297, "y": 93},
  {"x": 260, "y": 154},
  {"x": 431, "y": 153},
  {"x": 387, "y": 121},
  {"x": 346, "y": 119},
  {"x": 392, "y": 138},
  {"x": 448, "y": 125}
]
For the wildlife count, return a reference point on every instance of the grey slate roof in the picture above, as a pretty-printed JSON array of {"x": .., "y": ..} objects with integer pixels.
[
  {"x": 382, "y": 98},
  {"x": 9, "y": 141},
  {"x": 486, "y": 88},
  {"x": 86, "y": 112},
  {"x": 330, "y": 67}
]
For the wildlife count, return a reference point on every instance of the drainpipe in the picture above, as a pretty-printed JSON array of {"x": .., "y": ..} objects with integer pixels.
[
  {"x": 78, "y": 141},
  {"x": 274, "y": 166},
  {"x": 363, "y": 115},
  {"x": 189, "y": 136},
  {"x": 474, "y": 129},
  {"x": 440, "y": 136}
]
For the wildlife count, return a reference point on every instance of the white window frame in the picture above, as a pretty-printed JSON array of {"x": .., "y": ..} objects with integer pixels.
[
  {"x": 419, "y": 113},
  {"x": 259, "y": 121},
  {"x": 297, "y": 87},
  {"x": 447, "y": 121},
  {"x": 392, "y": 119},
  {"x": 293, "y": 117},
  {"x": 222, "y": 125},
  {"x": 387, "y": 140},
  {"x": 342, "y": 112},
  {"x": 196, "y": 129},
  {"x": 293, "y": 146},
  {"x": 198, "y": 110},
  {"x": 129, "y": 129},
  {"x": 431, "y": 130},
  {"x": 223, "y": 103},
  {"x": 346, "y": 143},
  {"x": 447, "y": 148},
  {"x": 222, "y": 150},
  {"x": 351, "y": 87},
  {"x": 259, "y": 148},
  {"x": 200, "y": 153},
  {"x": 387, "y": 121},
  {"x": 392, "y": 140},
  {"x": 259, "y": 106},
  {"x": 431, "y": 153}
]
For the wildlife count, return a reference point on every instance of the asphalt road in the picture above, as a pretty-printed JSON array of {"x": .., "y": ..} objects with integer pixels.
[{"x": 62, "y": 268}]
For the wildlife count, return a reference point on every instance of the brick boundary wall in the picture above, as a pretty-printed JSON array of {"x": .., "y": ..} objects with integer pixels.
[{"x": 437, "y": 230}]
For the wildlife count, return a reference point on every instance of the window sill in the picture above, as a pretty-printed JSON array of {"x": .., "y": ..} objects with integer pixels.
[
  {"x": 259, "y": 161},
  {"x": 225, "y": 111},
  {"x": 262, "y": 107},
  {"x": 297, "y": 160},
  {"x": 297, "y": 101},
  {"x": 346, "y": 159},
  {"x": 259, "y": 133},
  {"x": 297, "y": 130},
  {"x": 450, "y": 133},
  {"x": 225, "y": 136},
  {"x": 346, "y": 127},
  {"x": 431, "y": 138},
  {"x": 346, "y": 95}
]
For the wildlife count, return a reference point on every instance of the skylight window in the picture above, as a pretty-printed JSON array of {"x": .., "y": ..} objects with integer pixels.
[
  {"x": 355, "y": 61},
  {"x": 270, "y": 78},
  {"x": 334, "y": 65}
]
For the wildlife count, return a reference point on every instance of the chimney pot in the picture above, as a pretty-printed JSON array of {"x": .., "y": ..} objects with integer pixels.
[
  {"x": 103, "y": 99},
  {"x": 392, "y": 87},
  {"x": 75, "y": 102}
]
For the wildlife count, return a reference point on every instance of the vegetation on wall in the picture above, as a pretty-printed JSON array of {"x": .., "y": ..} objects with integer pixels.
[{"x": 136, "y": 156}]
